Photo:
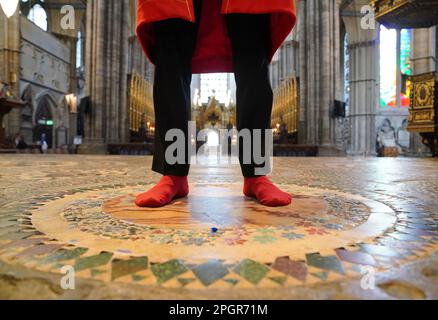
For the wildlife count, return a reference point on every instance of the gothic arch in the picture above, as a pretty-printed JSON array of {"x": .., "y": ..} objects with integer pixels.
[
  {"x": 44, "y": 118},
  {"x": 40, "y": 7},
  {"x": 44, "y": 97}
]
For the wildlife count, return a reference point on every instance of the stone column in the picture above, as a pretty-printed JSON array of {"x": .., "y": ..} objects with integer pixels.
[
  {"x": 364, "y": 89},
  {"x": 319, "y": 72},
  {"x": 10, "y": 65},
  {"x": 107, "y": 51}
]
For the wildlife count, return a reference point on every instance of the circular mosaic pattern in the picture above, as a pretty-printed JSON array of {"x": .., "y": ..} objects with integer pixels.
[
  {"x": 222, "y": 206},
  {"x": 215, "y": 221},
  {"x": 83, "y": 216}
]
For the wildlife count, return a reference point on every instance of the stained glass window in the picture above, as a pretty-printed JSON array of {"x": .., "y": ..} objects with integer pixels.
[
  {"x": 405, "y": 66},
  {"x": 388, "y": 67},
  {"x": 395, "y": 67}
]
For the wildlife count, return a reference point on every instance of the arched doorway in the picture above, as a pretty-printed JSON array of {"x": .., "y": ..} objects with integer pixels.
[
  {"x": 213, "y": 138},
  {"x": 44, "y": 123}
]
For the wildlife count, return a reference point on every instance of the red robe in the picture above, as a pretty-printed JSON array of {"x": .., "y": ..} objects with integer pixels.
[{"x": 213, "y": 50}]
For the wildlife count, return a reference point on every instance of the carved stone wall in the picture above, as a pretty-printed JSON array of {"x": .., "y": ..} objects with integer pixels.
[
  {"x": 9, "y": 65},
  {"x": 45, "y": 66}
]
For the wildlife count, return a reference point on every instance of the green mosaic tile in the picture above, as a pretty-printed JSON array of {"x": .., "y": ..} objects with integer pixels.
[
  {"x": 22, "y": 243},
  {"x": 137, "y": 278},
  {"x": 96, "y": 272},
  {"x": 233, "y": 282},
  {"x": 210, "y": 272},
  {"x": 168, "y": 270},
  {"x": 38, "y": 250},
  {"x": 252, "y": 271},
  {"x": 121, "y": 268},
  {"x": 17, "y": 235},
  {"x": 327, "y": 263},
  {"x": 11, "y": 230},
  {"x": 4, "y": 224},
  {"x": 320, "y": 275},
  {"x": 93, "y": 261},
  {"x": 184, "y": 282},
  {"x": 280, "y": 280},
  {"x": 63, "y": 255}
]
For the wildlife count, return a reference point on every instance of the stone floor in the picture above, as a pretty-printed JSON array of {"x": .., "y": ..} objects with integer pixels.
[{"x": 353, "y": 223}]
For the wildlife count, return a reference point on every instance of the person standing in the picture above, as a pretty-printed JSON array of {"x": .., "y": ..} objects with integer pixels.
[
  {"x": 43, "y": 144},
  {"x": 208, "y": 36}
]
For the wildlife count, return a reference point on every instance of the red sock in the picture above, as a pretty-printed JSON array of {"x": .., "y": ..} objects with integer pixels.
[
  {"x": 168, "y": 189},
  {"x": 266, "y": 192}
]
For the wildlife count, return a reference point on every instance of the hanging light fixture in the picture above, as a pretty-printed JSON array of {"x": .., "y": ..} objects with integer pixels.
[
  {"x": 9, "y": 7},
  {"x": 72, "y": 102}
]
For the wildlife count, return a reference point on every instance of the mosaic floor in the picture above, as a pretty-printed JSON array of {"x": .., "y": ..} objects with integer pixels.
[{"x": 352, "y": 220}]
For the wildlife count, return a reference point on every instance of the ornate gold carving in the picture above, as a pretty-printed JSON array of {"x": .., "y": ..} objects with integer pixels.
[
  {"x": 141, "y": 106},
  {"x": 286, "y": 105},
  {"x": 406, "y": 13},
  {"x": 422, "y": 109},
  {"x": 383, "y": 7}
]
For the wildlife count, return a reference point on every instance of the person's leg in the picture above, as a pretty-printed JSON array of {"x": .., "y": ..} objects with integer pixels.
[
  {"x": 175, "y": 45},
  {"x": 249, "y": 36}
]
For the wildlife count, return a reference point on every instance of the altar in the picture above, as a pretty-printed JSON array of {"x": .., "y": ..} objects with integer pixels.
[{"x": 407, "y": 14}]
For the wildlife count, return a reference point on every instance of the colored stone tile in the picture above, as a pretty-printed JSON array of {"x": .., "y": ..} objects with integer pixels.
[
  {"x": 38, "y": 250},
  {"x": 403, "y": 237},
  {"x": 63, "y": 255},
  {"x": 138, "y": 278},
  {"x": 121, "y": 268},
  {"x": 320, "y": 275},
  {"x": 22, "y": 243},
  {"x": 168, "y": 270},
  {"x": 96, "y": 272},
  {"x": 395, "y": 244},
  {"x": 11, "y": 230},
  {"x": 295, "y": 269},
  {"x": 18, "y": 235},
  {"x": 404, "y": 245},
  {"x": 210, "y": 272},
  {"x": 6, "y": 223},
  {"x": 231, "y": 281},
  {"x": 421, "y": 222},
  {"x": 433, "y": 228},
  {"x": 93, "y": 261},
  {"x": 184, "y": 282},
  {"x": 417, "y": 232},
  {"x": 279, "y": 280},
  {"x": 252, "y": 271},
  {"x": 379, "y": 250},
  {"x": 356, "y": 257},
  {"x": 327, "y": 263}
]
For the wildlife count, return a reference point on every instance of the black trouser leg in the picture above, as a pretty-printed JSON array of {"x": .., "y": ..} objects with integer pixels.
[
  {"x": 176, "y": 42},
  {"x": 249, "y": 35}
]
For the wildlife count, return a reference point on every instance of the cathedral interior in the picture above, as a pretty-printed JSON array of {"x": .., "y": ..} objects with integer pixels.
[{"x": 355, "y": 143}]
